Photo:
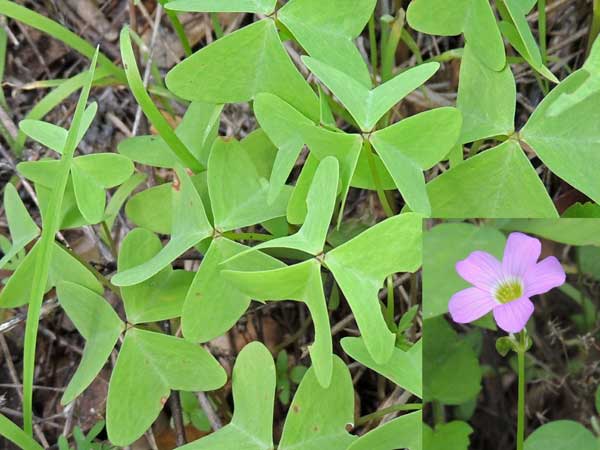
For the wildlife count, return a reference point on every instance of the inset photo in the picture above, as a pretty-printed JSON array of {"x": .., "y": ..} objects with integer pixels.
[{"x": 510, "y": 331}]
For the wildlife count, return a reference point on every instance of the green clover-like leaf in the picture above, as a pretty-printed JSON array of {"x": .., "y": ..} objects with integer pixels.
[
  {"x": 408, "y": 147},
  {"x": 403, "y": 368},
  {"x": 160, "y": 297},
  {"x": 189, "y": 226},
  {"x": 91, "y": 175},
  {"x": 314, "y": 425},
  {"x": 486, "y": 99},
  {"x": 516, "y": 29},
  {"x": 360, "y": 266},
  {"x": 53, "y": 136},
  {"x": 401, "y": 432},
  {"x": 563, "y": 130},
  {"x": 451, "y": 371},
  {"x": 320, "y": 202},
  {"x": 20, "y": 224},
  {"x": 63, "y": 267},
  {"x": 458, "y": 193},
  {"x": 212, "y": 304},
  {"x": 290, "y": 130},
  {"x": 299, "y": 282},
  {"x": 99, "y": 325},
  {"x": 453, "y": 435},
  {"x": 241, "y": 65},
  {"x": 144, "y": 376},
  {"x": 367, "y": 105},
  {"x": 251, "y": 426},
  {"x": 237, "y": 183},
  {"x": 326, "y": 30},
  {"x": 310, "y": 424},
  {"x": 474, "y": 18},
  {"x": 248, "y": 6},
  {"x": 561, "y": 435}
]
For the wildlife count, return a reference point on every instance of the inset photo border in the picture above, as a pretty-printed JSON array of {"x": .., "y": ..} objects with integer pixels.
[{"x": 510, "y": 329}]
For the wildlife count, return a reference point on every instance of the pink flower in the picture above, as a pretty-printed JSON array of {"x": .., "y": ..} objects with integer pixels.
[{"x": 505, "y": 287}]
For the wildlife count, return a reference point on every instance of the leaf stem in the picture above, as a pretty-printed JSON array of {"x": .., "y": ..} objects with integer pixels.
[
  {"x": 542, "y": 39},
  {"x": 439, "y": 414},
  {"x": 378, "y": 186},
  {"x": 385, "y": 411},
  {"x": 389, "y": 311},
  {"x": 216, "y": 25},
  {"x": 111, "y": 241},
  {"x": 178, "y": 28},
  {"x": 521, "y": 391},
  {"x": 373, "y": 47},
  {"x": 594, "y": 26},
  {"x": 248, "y": 236}
]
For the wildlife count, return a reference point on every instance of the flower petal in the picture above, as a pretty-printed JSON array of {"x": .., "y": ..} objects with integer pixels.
[
  {"x": 513, "y": 316},
  {"x": 470, "y": 304},
  {"x": 542, "y": 277},
  {"x": 480, "y": 269},
  {"x": 520, "y": 254}
]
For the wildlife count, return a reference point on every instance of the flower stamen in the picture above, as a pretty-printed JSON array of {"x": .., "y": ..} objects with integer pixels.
[{"x": 508, "y": 291}]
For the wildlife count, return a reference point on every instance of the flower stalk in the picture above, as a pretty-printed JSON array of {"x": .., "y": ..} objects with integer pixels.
[{"x": 521, "y": 350}]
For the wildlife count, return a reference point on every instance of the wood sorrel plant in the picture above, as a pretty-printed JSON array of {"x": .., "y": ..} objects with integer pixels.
[
  {"x": 263, "y": 238},
  {"x": 505, "y": 289}
]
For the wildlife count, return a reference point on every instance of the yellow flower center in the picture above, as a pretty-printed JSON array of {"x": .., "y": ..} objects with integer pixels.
[{"x": 508, "y": 291}]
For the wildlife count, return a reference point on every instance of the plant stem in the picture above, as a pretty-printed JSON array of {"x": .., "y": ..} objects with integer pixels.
[
  {"x": 373, "y": 47},
  {"x": 216, "y": 25},
  {"x": 111, "y": 242},
  {"x": 542, "y": 29},
  {"x": 178, "y": 28},
  {"x": 389, "y": 312},
  {"x": 594, "y": 26},
  {"x": 380, "y": 191},
  {"x": 541, "y": 6},
  {"x": 385, "y": 411},
  {"x": 248, "y": 236},
  {"x": 439, "y": 414},
  {"x": 521, "y": 394}
]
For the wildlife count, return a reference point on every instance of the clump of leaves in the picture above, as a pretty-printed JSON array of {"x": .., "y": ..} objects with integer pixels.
[{"x": 262, "y": 237}]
